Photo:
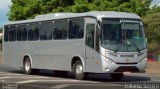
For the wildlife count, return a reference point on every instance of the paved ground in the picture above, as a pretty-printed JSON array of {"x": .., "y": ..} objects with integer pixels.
[{"x": 11, "y": 78}]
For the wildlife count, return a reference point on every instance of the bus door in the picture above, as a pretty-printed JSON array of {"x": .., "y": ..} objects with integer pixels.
[{"x": 90, "y": 46}]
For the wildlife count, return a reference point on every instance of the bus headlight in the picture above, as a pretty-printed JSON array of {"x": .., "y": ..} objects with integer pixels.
[{"x": 144, "y": 60}]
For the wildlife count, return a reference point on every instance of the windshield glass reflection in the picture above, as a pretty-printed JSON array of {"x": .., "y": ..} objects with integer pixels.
[{"x": 123, "y": 37}]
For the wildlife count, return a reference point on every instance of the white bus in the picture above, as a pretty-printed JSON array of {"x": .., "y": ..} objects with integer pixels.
[{"x": 90, "y": 42}]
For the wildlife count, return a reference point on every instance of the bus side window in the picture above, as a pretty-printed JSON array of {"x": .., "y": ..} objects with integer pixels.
[
  {"x": 6, "y": 34},
  {"x": 46, "y": 30},
  {"x": 76, "y": 29},
  {"x": 19, "y": 33},
  {"x": 90, "y": 35},
  {"x": 29, "y": 34},
  {"x": 60, "y": 30},
  {"x": 12, "y": 33},
  {"x": 33, "y": 33},
  {"x": 24, "y": 32}
]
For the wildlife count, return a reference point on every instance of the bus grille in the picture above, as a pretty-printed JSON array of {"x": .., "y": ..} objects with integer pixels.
[
  {"x": 127, "y": 55},
  {"x": 128, "y": 63},
  {"x": 127, "y": 68}
]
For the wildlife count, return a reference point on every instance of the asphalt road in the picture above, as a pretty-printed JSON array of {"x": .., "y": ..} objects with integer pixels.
[{"x": 11, "y": 78}]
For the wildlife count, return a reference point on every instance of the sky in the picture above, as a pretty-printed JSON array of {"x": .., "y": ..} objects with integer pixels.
[
  {"x": 4, "y": 9},
  {"x": 156, "y": 2}
]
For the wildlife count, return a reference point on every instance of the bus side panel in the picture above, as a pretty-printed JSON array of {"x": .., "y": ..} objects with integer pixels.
[
  {"x": 65, "y": 53},
  {"x": 55, "y": 54},
  {"x": 44, "y": 54},
  {"x": 11, "y": 56}
]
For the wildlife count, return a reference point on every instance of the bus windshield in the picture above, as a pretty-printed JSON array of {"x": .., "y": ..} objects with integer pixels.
[{"x": 118, "y": 35}]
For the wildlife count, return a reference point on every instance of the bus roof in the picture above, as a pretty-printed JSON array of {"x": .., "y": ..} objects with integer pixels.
[{"x": 96, "y": 14}]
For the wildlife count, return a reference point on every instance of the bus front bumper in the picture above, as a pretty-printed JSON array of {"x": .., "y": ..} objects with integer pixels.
[{"x": 112, "y": 67}]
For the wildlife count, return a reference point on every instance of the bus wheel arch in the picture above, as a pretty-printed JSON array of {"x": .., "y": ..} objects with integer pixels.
[
  {"x": 27, "y": 65},
  {"x": 77, "y": 66},
  {"x": 76, "y": 58}
]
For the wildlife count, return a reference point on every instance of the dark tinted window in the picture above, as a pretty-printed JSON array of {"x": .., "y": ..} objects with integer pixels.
[
  {"x": 12, "y": 33},
  {"x": 90, "y": 35},
  {"x": 6, "y": 34},
  {"x": 46, "y": 30},
  {"x": 98, "y": 32},
  {"x": 33, "y": 32},
  {"x": 19, "y": 33},
  {"x": 22, "y": 33},
  {"x": 60, "y": 30},
  {"x": 76, "y": 28}
]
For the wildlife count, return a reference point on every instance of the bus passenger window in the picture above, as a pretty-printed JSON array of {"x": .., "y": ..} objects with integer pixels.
[
  {"x": 24, "y": 32},
  {"x": 46, "y": 30},
  {"x": 21, "y": 33},
  {"x": 6, "y": 34},
  {"x": 12, "y": 33},
  {"x": 76, "y": 29},
  {"x": 60, "y": 30},
  {"x": 33, "y": 33}
]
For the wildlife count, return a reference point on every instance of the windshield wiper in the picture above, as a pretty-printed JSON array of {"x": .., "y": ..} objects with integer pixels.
[
  {"x": 134, "y": 44},
  {"x": 116, "y": 49}
]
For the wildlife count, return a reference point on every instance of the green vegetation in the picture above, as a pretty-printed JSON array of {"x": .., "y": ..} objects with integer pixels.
[
  {"x": 27, "y": 9},
  {"x": 152, "y": 29}
]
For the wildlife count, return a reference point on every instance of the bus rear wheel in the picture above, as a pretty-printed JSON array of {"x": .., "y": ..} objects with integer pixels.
[
  {"x": 28, "y": 68},
  {"x": 77, "y": 69},
  {"x": 117, "y": 76}
]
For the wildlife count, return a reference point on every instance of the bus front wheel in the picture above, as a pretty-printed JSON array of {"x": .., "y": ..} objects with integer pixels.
[
  {"x": 78, "y": 70},
  {"x": 27, "y": 67}
]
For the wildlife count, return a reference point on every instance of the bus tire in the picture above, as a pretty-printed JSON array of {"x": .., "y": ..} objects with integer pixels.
[
  {"x": 28, "y": 68},
  {"x": 78, "y": 70},
  {"x": 117, "y": 76}
]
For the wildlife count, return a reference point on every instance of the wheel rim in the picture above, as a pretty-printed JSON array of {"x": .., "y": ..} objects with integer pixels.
[
  {"x": 79, "y": 69},
  {"x": 27, "y": 66}
]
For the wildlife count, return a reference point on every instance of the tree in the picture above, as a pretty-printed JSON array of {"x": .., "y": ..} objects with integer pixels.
[
  {"x": 152, "y": 29},
  {"x": 154, "y": 9},
  {"x": 26, "y": 9}
]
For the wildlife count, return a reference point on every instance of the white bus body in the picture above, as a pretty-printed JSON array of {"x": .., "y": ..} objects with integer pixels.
[{"x": 108, "y": 42}]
